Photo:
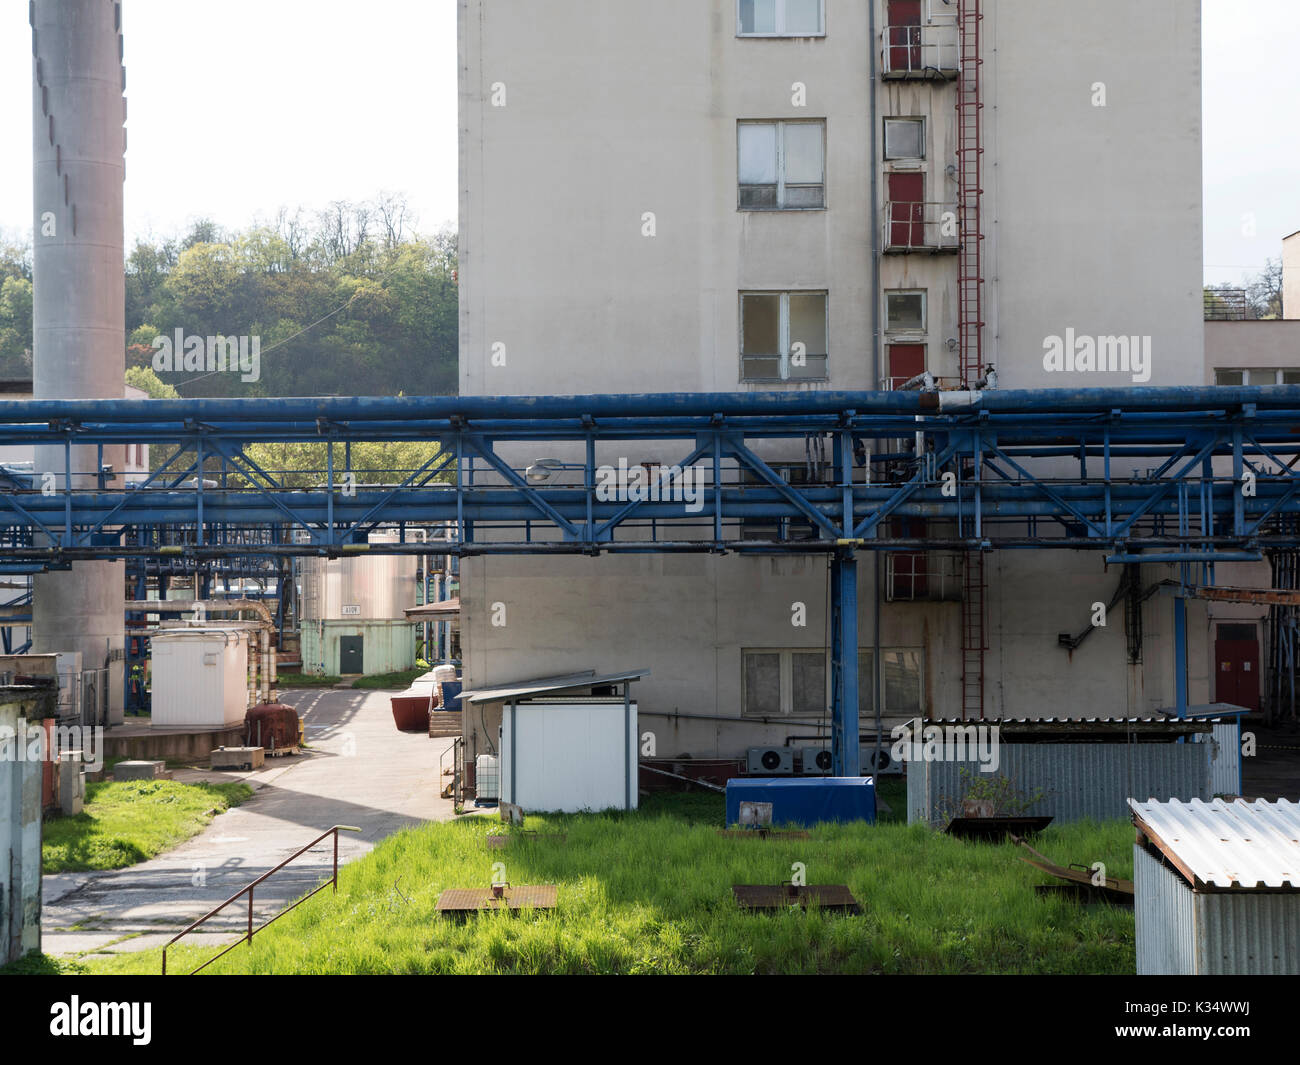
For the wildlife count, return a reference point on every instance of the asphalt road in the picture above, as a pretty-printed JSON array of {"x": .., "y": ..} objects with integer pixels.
[{"x": 360, "y": 771}]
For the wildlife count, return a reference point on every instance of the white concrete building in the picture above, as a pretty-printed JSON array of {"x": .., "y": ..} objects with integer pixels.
[{"x": 667, "y": 197}]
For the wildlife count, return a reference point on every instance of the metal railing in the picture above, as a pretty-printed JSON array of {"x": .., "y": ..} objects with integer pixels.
[
  {"x": 914, "y": 225},
  {"x": 920, "y": 51},
  {"x": 248, "y": 936}
]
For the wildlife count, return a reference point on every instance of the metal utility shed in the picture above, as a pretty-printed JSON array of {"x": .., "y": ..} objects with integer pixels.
[
  {"x": 1217, "y": 887},
  {"x": 563, "y": 746}
]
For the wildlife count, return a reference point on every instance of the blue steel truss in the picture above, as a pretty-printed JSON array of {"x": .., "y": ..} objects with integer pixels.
[{"x": 1182, "y": 475}]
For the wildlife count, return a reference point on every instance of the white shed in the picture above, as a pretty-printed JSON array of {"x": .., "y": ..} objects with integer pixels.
[
  {"x": 567, "y": 744},
  {"x": 1217, "y": 887},
  {"x": 200, "y": 677}
]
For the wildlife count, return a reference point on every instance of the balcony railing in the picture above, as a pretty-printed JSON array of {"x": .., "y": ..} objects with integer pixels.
[
  {"x": 920, "y": 52},
  {"x": 920, "y": 227}
]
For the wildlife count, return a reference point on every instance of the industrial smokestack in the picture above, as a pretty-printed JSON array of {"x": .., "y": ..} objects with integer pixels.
[{"x": 79, "y": 142}]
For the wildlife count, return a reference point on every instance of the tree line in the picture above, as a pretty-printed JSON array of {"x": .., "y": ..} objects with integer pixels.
[{"x": 346, "y": 301}]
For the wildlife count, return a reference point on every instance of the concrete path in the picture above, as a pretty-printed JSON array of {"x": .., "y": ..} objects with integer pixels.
[{"x": 360, "y": 771}]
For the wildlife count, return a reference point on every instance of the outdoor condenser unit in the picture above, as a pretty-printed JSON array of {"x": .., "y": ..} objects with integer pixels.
[
  {"x": 816, "y": 761},
  {"x": 774, "y": 761},
  {"x": 887, "y": 765}
]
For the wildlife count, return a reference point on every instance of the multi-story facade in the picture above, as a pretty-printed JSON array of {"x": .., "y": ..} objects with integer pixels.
[{"x": 737, "y": 195}]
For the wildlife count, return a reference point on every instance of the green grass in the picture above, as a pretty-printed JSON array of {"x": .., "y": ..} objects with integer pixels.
[
  {"x": 397, "y": 680},
  {"x": 650, "y": 892},
  {"x": 305, "y": 680},
  {"x": 130, "y": 821}
]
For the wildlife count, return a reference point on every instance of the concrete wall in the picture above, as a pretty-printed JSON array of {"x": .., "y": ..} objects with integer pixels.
[
  {"x": 1092, "y": 218},
  {"x": 1254, "y": 345},
  {"x": 1291, "y": 276}
]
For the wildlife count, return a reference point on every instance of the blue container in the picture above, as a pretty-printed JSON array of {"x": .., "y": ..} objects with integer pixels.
[
  {"x": 450, "y": 695},
  {"x": 805, "y": 801}
]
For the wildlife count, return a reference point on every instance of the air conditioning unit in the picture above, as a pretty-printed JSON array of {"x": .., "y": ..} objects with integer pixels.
[
  {"x": 772, "y": 761},
  {"x": 816, "y": 761},
  {"x": 887, "y": 765}
]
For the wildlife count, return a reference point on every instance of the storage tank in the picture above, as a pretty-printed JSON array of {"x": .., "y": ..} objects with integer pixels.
[{"x": 200, "y": 677}]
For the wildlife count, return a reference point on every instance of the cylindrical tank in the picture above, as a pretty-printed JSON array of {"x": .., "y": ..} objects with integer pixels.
[
  {"x": 364, "y": 588},
  {"x": 78, "y": 113}
]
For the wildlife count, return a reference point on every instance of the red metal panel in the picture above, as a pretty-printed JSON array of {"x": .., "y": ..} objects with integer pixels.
[
  {"x": 906, "y": 210},
  {"x": 903, "y": 31},
  {"x": 1237, "y": 672}
]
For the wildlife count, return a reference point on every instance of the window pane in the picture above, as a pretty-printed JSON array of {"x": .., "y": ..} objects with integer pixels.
[
  {"x": 761, "y": 369},
  {"x": 762, "y": 683},
  {"x": 866, "y": 703},
  {"x": 904, "y": 138},
  {"x": 809, "y": 682},
  {"x": 757, "y": 16},
  {"x": 757, "y": 153},
  {"x": 902, "y": 675},
  {"x": 813, "y": 369},
  {"x": 1229, "y": 377},
  {"x": 755, "y": 196},
  {"x": 761, "y": 324},
  {"x": 808, "y": 322},
  {"x": 906, "y": 310},
  {"x": 804, "y": 158},
  {"x": 805, "y": 196},
  {"x": 803, "y": 17},
  {"x": 1291, "y": 377}
]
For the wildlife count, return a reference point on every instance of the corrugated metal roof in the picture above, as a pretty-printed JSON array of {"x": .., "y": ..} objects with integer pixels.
[
  {"x": 1238, "y": 846},
  {"x": 549, "y": 685}
]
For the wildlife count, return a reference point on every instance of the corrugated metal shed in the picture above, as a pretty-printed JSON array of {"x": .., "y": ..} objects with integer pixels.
[
  {"x": 1221, "y": 846},
  {"x": 1077, "y": 781},
  {"x": 1216, "y": 888}
]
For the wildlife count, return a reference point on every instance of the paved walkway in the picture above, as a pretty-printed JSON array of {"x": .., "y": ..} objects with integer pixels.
[{"x": 360, "y": 771}]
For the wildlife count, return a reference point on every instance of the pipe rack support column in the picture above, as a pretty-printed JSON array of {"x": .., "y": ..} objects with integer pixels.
[{"x": 846, "y": 756}]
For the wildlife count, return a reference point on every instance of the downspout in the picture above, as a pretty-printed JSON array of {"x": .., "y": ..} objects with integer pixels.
[{"x": 876, "y": 223}]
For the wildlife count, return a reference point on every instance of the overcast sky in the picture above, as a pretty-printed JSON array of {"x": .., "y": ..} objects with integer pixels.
[{"x": 240, "y": 107}]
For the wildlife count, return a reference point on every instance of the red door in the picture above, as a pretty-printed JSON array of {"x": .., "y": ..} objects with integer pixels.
[
  {"x": 905, "y": 362},
  {"x": 906, "y": 210},
  {"x": 1236, "y": 657},
  {"x": 904, "y": 31}
]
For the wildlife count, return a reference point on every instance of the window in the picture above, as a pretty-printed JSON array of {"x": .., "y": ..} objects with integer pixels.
[
  {"x": 904, "y": 138},
  {"x": 900, "y": 677},
  {"x": 780, "y": 18},
  {"x": 905, "y": 312},
  {"x": 783, "y": 336},
  {"x": 778, "y": 682},
  {"x": 781, "y": 165},
  {"x": 1233, "y": 378},
  {"x": 796, "y": 682}
]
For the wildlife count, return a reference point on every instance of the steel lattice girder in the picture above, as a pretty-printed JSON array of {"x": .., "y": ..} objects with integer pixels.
[{"x": 1114, "y": 469}]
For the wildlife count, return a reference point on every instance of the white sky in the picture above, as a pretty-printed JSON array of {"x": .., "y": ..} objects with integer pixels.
[{"x": 240, "y": 107}]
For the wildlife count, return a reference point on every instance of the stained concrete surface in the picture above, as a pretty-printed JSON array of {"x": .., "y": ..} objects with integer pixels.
[{"x": 359, "y": 771}]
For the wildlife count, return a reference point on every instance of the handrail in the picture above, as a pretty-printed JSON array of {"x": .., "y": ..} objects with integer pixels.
[{"x": 248, "y": 938}]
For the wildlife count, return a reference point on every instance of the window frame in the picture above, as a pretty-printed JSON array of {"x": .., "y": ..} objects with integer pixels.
[
  {"x": 900, "y": 331},
  {"x": 780, "y": 32},
  {"x": 915, "y": 120},
  {"x": 780, "y": 124},
  {"x": 1249, "y": 374},
  {"x": 783, "y": 337},
  {"x": 785, "y": 682}
]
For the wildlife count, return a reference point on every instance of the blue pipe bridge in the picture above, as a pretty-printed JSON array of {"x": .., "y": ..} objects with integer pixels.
[{"x": 1191, "y": 476}]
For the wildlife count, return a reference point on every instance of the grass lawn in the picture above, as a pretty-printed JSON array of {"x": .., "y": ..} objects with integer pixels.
[
  {"x": 399, "y": 681},
  {"x": 129, "y": 821},
  {"x": 650, "y": 892},
  {"x": 305, "y": 680}
]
